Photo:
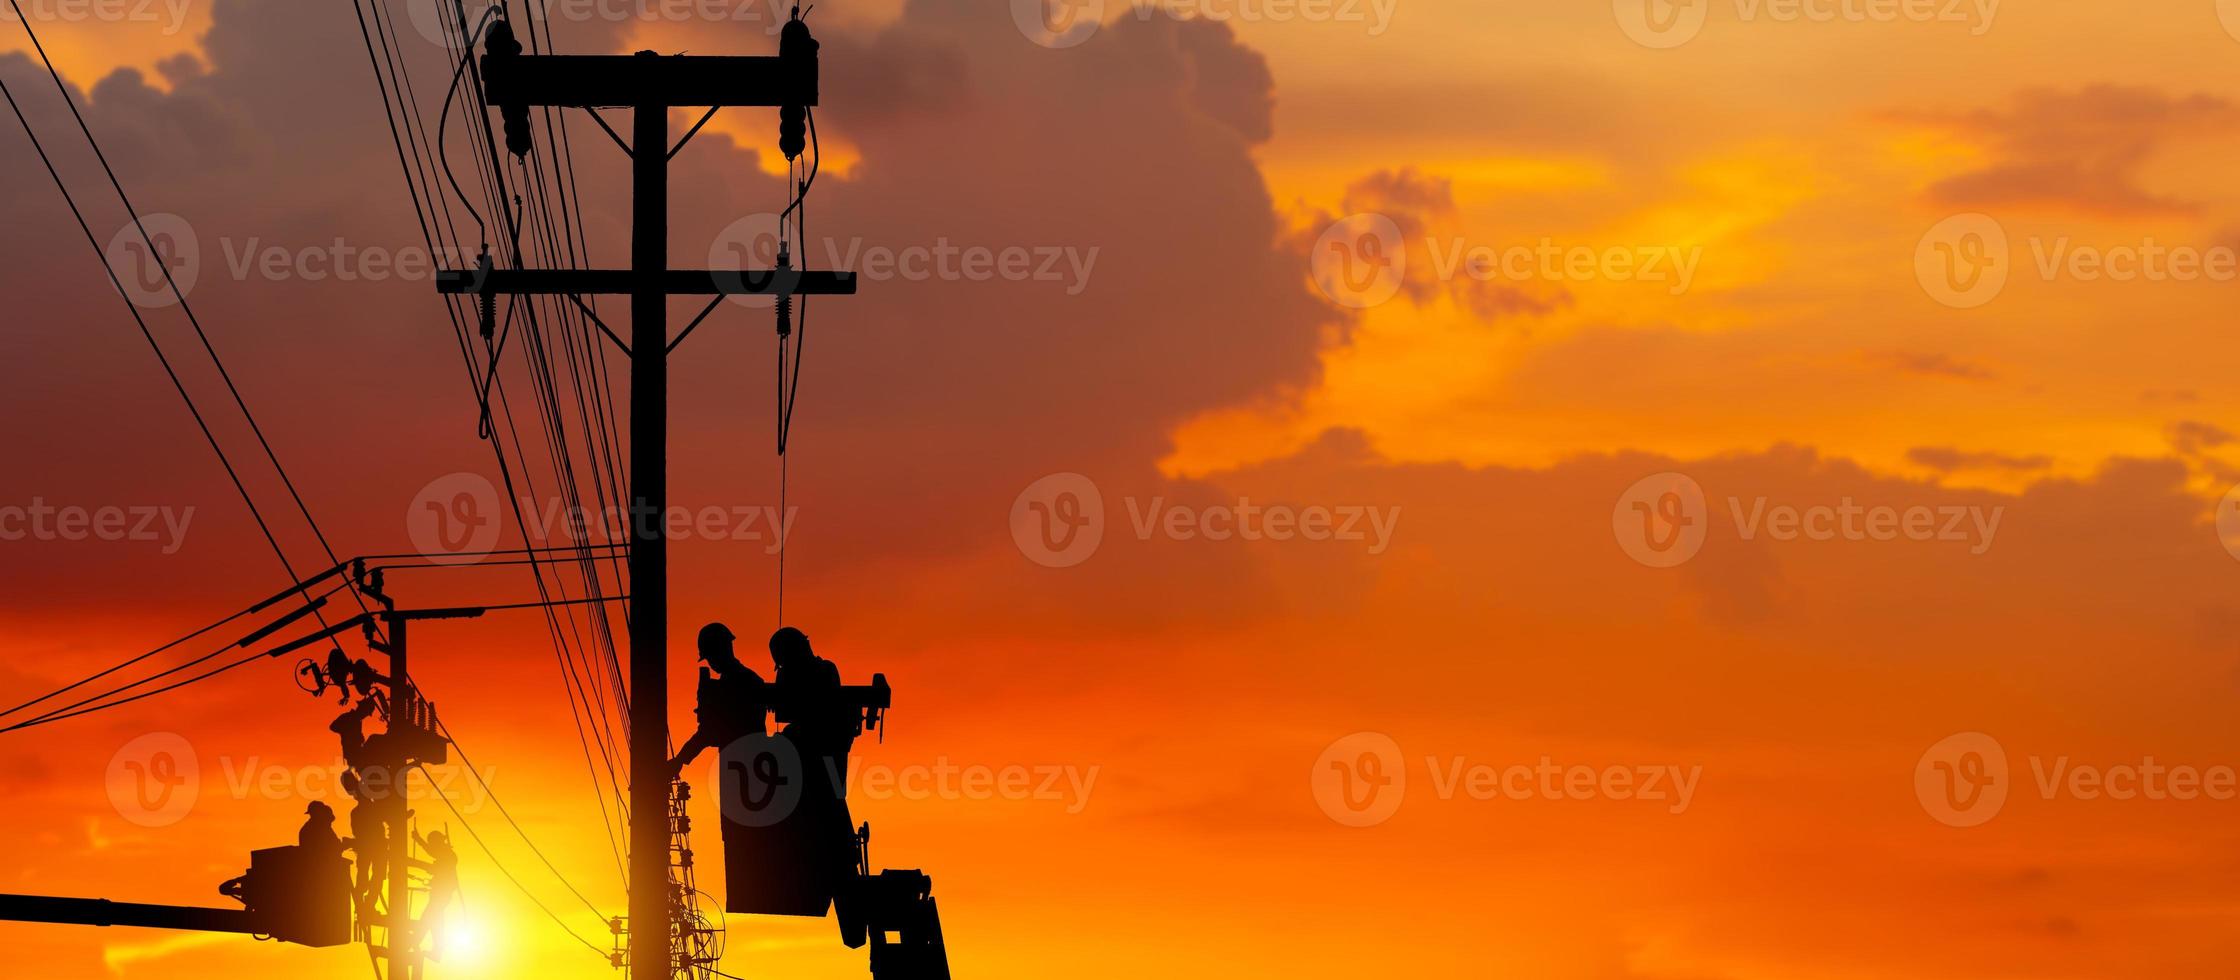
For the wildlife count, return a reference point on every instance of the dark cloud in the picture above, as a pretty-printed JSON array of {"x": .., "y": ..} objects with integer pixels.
[
  {"x": 1123, "y": 169},
  {"x": 1933, "y": 364},
  {"x": 1422, "y": 209},
  {"x": 2191, "y": 438},
  {"x": 2079, "y": 151},
  {"x": 1946, "y": 459}
]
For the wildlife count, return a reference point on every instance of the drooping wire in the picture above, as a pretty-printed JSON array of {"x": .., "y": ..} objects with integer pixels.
[
  {"x": 585, "y": 709},
  {"x": 509, "y": 876},
  {"x": 789, "y": 390},
  {"x": 71, "y": 710},
  {"x": 239, "y": 402},
  {"x": 443, "y": 119},
  {"x": 134, "y": 309},
  {"x": 523, "y": 834}
]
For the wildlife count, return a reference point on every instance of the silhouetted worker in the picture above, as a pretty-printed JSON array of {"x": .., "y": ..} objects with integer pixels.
[
  {"x": 822, "y": 726},
  {"x": 369, "y": 838},
  {"x": 315, "y": 840},
  {"x": 733, "y": 699},
  {"x": 317, "y": 833},
  {"x": 443, "y": 880},
  {"x": 351, "y": 726}
]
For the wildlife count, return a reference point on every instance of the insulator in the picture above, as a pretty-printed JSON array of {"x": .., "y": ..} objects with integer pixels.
[
  {"x": 798, "y": 52},
  {"x": 793, "y": 131},
  {"x": 501, "y": 48}
]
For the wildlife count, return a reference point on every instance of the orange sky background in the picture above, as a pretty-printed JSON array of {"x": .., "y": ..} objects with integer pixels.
[{"x": 1197, "y": 689}]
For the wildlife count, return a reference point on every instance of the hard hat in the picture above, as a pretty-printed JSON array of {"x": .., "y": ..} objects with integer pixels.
[
  {"x": 714, "y": 636},
  {"x": 789, "y": 638}
]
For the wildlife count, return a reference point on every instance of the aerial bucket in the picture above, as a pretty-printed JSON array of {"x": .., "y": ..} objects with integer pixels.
[{"x": 788, "y": 846}]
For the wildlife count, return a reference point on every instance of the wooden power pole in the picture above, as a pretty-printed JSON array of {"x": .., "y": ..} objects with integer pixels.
[{"x": 649, "y": 85}]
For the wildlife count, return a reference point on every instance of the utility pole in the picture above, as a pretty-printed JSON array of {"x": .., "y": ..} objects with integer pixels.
[
  {"x": 649, "y": 85},
  {"x": 412, "y": 739}
]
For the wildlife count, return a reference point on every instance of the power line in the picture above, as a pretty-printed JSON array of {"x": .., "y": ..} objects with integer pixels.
[
  {"x": 502, "y": 811},
  {"x": 87, "y": 706},
  {"x": 184, "y": 307},
  {"x": 134, "y": 309},
  {"x": 500, "y": 865}
]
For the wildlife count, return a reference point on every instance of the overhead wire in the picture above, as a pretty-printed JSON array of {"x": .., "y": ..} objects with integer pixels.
[{"x": 239, "y": 402}]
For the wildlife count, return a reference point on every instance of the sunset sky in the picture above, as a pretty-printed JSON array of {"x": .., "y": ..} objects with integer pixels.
[{"x": 1777, "y": 420}]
